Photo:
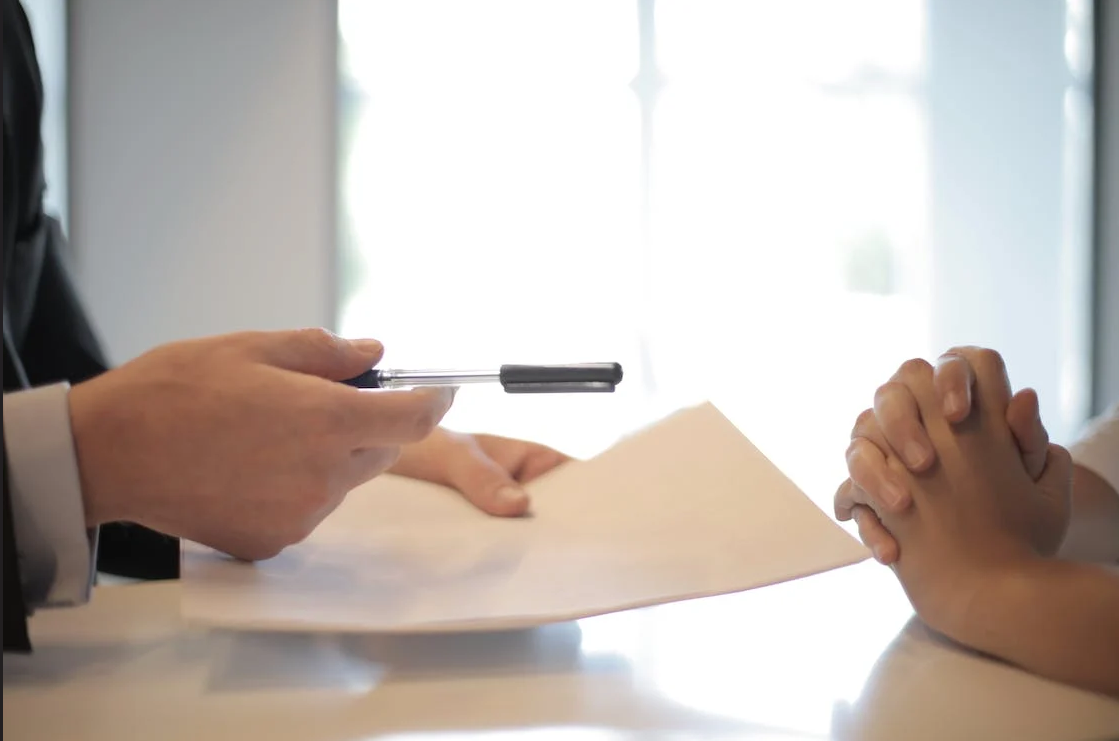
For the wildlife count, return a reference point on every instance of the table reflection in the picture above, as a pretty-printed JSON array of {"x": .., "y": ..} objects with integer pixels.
[
  {"x": 837, "y": 655},
  {"x": 779, "y": 657}
]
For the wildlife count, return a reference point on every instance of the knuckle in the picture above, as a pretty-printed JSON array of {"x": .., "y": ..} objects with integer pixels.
[
  {"x": 854, "y": 450},
  {"x": 915, "y": 368},
  {"x": 960, "y": 351},
  {"x": 886, "y": 395},
  {"x": 952, "y": 368},
  {"x": 865, "y": 424},
  {"x": 335, "y": 419},
  {"x": 859, "y": 466},
  {"x": 317, "y": 339},
  {"x": 988, "y": 361}
]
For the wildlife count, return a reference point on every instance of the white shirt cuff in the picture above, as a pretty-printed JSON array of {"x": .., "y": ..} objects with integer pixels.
[
  {"x": 1098, "y": 448},
  {"x": 56, "y": 552}
]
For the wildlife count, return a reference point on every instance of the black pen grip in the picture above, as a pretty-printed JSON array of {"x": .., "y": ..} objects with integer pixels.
[
  {"x": 370, "y": 379},
  {"x": 561, "y": 378}
]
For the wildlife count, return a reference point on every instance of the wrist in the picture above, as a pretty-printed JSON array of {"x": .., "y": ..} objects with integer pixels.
[
  {"x": 995, "y": 597},
  {"x": 85, "y": 422}
]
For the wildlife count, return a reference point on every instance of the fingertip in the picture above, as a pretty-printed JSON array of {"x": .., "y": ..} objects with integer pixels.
[
  {"x": 875, "y": 536},
  {"x": 369, "y": 347},
  {"x": 510, "y": 501},
  {"x": 844, "y": 501},
  {"x": 953, "y": 379},
  {"x": 884, "y": 554},
  {"x": 918, "y": 455}
]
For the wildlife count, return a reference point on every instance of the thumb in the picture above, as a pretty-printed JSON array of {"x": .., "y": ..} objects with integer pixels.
[
  {"x": 1023, "y": 416},
  {"x": 1057, "y": 475},
  {"x": 317, "y": 352},
  {"x": 1050, "y": 521},
  {"x": 487, "y": 485}
]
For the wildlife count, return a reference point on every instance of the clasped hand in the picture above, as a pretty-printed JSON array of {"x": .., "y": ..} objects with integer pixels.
[{"x": 953, "y": 478}]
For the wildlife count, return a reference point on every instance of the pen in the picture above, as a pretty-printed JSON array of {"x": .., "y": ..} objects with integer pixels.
[{"x": 515, "y": 379}]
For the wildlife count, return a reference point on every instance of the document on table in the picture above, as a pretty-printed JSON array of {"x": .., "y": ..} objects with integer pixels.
[{"x": 686, "y": 508}]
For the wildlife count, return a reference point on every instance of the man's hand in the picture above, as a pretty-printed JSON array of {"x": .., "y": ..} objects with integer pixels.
[
  {"x": 242, "y": 442},
  {"x": 894, "y": 424},
  {"x": 975, "y": 514},
  {"x": 487, "y": 470}
]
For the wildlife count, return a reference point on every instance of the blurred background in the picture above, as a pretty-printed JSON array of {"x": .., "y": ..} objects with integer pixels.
[{"x": 765, "y": 204}]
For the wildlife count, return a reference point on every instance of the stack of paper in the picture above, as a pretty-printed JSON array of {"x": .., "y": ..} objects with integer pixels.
[{"x": 686, "y": 508}]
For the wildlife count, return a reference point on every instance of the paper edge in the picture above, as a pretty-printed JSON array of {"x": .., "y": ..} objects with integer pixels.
[{"x": 513, "y": 623}]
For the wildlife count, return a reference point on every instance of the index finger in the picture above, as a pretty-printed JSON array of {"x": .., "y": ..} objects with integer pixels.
[
  {"x": 539, "y": 462},
  {"x": 389, "y": 417}
]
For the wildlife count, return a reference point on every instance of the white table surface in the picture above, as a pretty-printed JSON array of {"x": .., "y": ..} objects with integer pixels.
[{"x": 836, "y": 655}]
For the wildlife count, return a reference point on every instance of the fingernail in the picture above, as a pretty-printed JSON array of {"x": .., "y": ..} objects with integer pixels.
[
  {"x": 511, "y": 495},
  {"x": 877, "y": 551},
  {"x": 915, "y": 453},
  {"x": 953, "y": 404},
  {"x": 370, "y": 347},
  {"x": 893, "y": 494}
]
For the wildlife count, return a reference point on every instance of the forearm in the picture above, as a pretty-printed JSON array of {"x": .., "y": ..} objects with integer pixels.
[
  {"x": 1093, "y": 533},
  {"x": 1057, "y": 619}
]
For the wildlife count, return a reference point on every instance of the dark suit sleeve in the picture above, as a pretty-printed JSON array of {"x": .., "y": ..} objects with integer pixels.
[{"x": 62, "y": 345}]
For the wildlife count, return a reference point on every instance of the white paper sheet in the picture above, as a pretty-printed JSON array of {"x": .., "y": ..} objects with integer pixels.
[{"x": 686, "y": 508}]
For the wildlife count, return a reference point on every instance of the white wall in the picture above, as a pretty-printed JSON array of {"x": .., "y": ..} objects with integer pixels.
[
  {"x": 202, "y": 166},
  {"x": 1009, "y": 144}
]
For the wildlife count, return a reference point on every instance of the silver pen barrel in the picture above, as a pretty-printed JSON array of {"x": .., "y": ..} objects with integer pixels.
[{"x": 392, "y": 379}]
